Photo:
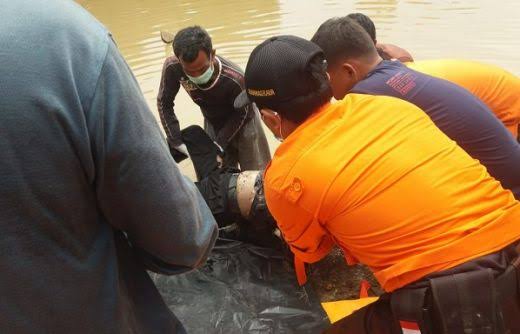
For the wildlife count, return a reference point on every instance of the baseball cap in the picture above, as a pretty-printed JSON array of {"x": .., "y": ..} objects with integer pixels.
[{"x": 276, "y": 72}]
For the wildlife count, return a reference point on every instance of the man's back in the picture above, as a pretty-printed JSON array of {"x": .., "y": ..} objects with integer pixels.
[
  {"x": 497, "y": 88},
  {"x": 459, "y": 114},
  {"x": 82, "y": 162},
  {"x": 394, "y": 192}
]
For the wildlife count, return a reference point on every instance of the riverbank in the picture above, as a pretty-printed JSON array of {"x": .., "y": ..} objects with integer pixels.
[{"x": 332, "y": 279}]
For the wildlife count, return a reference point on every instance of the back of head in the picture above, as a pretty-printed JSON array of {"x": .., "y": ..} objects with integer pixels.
[
  {"x": 318, "y": 93},
  {"x": 365, "y": 22},
  {"x": 341, "y": 38},
  {"x": 287, "y": 74},
  {"x": 189, "y": 41}
]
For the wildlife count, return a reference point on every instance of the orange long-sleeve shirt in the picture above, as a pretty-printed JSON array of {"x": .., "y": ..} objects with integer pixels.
[{"x": 374, "y": 175}]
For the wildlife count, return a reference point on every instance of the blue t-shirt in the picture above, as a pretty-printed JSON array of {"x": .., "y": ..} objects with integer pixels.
[{"x": 459, "y": 114}]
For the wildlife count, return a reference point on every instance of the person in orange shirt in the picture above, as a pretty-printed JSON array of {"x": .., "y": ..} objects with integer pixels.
[
  {"x": 496, "y": 87},
  {"x": 375, "y": 176},
  {"x": 355, "y": 67},
  {"x": 386, "y": 51}
]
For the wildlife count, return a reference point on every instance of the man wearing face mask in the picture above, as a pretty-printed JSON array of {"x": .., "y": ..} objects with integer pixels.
[{"x": 213, "y": 83}]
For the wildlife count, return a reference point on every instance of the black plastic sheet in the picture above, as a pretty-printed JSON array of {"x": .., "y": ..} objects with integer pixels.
[{"x": 243, "y": 289}]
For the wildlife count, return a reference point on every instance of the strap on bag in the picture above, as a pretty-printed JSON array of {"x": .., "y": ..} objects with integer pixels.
[{"x": 466, "y": 302}]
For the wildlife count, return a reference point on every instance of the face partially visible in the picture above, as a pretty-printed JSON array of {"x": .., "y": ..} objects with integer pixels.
[
  {"x": 342, "y": 78},
  {"x": 198, "y": 66}
]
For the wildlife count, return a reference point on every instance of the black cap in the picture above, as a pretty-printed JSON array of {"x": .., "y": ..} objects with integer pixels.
[{"x": 276, "y": 72}]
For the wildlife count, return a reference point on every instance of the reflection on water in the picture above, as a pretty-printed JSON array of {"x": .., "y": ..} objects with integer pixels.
[
  {"x": 473, "y": 29},
  {"x": 235, "y": 27},
  {"x": 481, "y": 30}
]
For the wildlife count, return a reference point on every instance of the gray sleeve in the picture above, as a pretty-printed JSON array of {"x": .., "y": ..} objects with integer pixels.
[{"x": 139, "y": 187}]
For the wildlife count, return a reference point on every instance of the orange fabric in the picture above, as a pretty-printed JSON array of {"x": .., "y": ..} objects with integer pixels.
[
  {"x": 497, "y": 88},
  {"x": 376, "y": 176},
  {"x": 299, "y": 268},
  {"x": 364, "y": 287}
]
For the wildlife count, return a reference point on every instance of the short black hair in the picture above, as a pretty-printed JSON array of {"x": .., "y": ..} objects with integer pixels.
[
  {"x": 342, "y": 37},
  {"x": 189, "y": 41},
  {"x": 365, "y": 22},
  {"x": 300, "y": 108}
]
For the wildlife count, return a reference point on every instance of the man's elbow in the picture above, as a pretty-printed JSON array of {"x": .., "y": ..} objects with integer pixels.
[
  {"x": 192, "y": 250},
  {"x": 183, "y": 256},
  {"x": 197, "y": 252},
  {"x": 194, "y": 236}
]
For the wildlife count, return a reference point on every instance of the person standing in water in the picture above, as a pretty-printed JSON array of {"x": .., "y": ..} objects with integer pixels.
[{"x": 213, "y": 82}]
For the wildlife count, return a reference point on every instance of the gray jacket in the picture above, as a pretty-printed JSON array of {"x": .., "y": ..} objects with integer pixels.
[{"x": 89, "y": 194}]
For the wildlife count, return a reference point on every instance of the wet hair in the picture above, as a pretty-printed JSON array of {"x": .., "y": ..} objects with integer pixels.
[
  {"x": 189, "y": 41},
  {"x": 342, "y": 37},
  {"x": 300, "y": 108},
  {"x": 365, "y": 22}
]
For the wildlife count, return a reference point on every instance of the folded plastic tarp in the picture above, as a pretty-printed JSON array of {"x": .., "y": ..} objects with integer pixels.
[{"x": 243, "y": 289}]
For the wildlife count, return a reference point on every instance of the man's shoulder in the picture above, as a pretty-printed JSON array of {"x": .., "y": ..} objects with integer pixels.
[
  {"x": 231, "y": 71},
  {"x": 231, "y": 66},
  {"x": 300, "y": 155},
  {"x": 397, "y": 79},
  {"x": 172, "y": 62},
  {"x": 172, "y": 69},
  {"x": 376, "y": 103},
  {"x": 382, "y": 73}
]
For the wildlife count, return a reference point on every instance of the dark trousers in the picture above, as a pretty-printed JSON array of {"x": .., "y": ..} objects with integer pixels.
[
  {"x": 478, "y": 297},
  {"x": 248, "y": 148}
]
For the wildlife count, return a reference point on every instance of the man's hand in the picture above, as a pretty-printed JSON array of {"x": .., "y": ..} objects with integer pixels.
[
  {"x": 220, "y": 161},
  {"x": 179, "y": 152}
]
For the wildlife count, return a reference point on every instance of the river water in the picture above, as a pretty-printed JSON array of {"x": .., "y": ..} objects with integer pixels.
[{"x": 482, "y": 30}]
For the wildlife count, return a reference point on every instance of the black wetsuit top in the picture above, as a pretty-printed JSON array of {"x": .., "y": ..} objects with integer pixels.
[{"x": 215, "y": 101}]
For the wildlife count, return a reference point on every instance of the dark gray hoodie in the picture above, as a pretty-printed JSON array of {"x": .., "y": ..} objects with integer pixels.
[{"x": 89, "y": 194}]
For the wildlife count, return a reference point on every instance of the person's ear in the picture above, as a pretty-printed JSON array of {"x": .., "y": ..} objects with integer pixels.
[
  {"x": 272, "y": 120},
  {"x": 350, "y": 71}
]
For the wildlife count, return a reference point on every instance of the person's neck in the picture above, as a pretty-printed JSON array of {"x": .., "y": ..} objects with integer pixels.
[
  {"x": 368, "y": 66},
  {"x": 288, "y": 127}
]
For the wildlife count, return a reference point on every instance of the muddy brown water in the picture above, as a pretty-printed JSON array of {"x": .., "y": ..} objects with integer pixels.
[{"x": 482, "y": 30}]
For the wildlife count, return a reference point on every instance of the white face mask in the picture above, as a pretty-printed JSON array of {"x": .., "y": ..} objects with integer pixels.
[{"x": 204, "y": 78}]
